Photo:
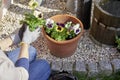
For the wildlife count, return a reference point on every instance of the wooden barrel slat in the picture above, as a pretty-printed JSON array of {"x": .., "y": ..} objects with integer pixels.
[
  {"x": 105, "y": 17},
  {"x": 105, "y": 26},
  {"x": 101, "y": 34}
]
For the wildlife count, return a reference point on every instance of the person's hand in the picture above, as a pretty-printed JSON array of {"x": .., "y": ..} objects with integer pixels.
[
  {"x": 29, "y": 37},
  {"x": 17, "y": 35}
]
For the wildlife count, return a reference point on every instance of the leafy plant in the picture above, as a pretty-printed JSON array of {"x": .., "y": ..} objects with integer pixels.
[
  {"x": 57, "y": 31},
  {"x": 60, "y": 31},
  {"x": 30, "y": 19},
  {"x": 118, "y": 42},
  {"x": 33, "y": 22}
]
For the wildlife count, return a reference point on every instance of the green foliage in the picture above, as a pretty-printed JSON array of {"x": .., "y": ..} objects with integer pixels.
[
  {"x": 118, "y": 42},
  {"x": 80, "y": 76},
  {"x": 32, "y": 21},
  {"x": 113, "y": 76},
  {"x": 60, "y": 31},
  {"x": 57, "y": 35}
]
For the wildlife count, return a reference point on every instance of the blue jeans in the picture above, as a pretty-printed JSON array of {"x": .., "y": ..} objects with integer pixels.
[{"x": 38, "y": 69}]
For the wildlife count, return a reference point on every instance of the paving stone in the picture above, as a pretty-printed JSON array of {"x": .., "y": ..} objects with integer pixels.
[
  {"x": 105, "y": 67},
  {"x": 68, "y": 66},
  {"x": 92, "y": 69},
  {"x": 56, "y": 65},
  {"x": 116, "y": 64},
  {"x": 80, "y": 69}
]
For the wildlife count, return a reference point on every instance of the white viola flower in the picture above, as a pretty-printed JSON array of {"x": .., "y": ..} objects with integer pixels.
[
  {"x": 33, "y": 4},
  {"x": 49, "y": 23},
  {"x": 37, "y": 14},
  {"x": 68, "y": 24},
  {"x": 77, "y": 29}
]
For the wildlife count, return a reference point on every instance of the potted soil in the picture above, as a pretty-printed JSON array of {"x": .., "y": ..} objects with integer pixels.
[{"x": 60, "y": 46}]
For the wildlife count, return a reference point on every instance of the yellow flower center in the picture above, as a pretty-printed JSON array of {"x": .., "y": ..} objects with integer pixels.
[{"x": 59, "y": 29}]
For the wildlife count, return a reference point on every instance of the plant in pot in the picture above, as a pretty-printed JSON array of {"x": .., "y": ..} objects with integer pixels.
[
  {"x": 118, "y": 42},
  {"x": 62, "y": 33},
  {"x": 32, "y": 20}
]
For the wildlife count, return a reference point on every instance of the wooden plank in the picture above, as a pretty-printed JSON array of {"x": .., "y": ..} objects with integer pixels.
[
  {"x": 105, "y": 18},
  {"x": 102, "y": 34}
]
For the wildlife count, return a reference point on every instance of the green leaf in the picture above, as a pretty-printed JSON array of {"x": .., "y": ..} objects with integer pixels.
[
  {"x": 117, "y": 41},
  {"x": 32, "y": 21}
]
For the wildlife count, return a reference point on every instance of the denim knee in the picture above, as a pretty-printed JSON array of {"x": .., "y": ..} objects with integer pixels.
[
  {"x": 39, "y": 70},
  {"x": 43, "y": 63},
  {"x": 32, "y": 53},
  {"x": 13, "y": 55}
]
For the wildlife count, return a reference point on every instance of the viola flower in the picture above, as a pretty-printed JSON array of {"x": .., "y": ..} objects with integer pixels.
[
  {"x": 77, "y": 29},
  {"x": 49, "y": 23},
  {"x": 68, "y": 25},
  {"x": 33, "y": 4},
  {"x": 60, "y": 24},
  {"x": 60, "y": 31},
  {"x": 38, "y": 14},
  {"x": 59, "y": 28}
]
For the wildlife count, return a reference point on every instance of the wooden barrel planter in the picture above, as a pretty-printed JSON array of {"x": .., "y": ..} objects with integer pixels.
[{"x": 106, "y": 21}]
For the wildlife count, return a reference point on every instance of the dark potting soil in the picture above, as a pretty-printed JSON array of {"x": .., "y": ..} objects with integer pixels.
[{"x": 112, "y": 7}]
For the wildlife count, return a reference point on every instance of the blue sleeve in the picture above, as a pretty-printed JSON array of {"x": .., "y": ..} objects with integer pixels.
[{"x": 22, "y": 62}]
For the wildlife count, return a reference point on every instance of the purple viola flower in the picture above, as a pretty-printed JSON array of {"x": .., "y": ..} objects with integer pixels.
[
  {"x": 77, "y": 29},
  {"x": 49, "y": 23},
  {"x": 61, "y": 24}
]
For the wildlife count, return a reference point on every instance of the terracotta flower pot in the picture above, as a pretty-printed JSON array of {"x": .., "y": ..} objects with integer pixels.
[{"x": 63, "y": 48}]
